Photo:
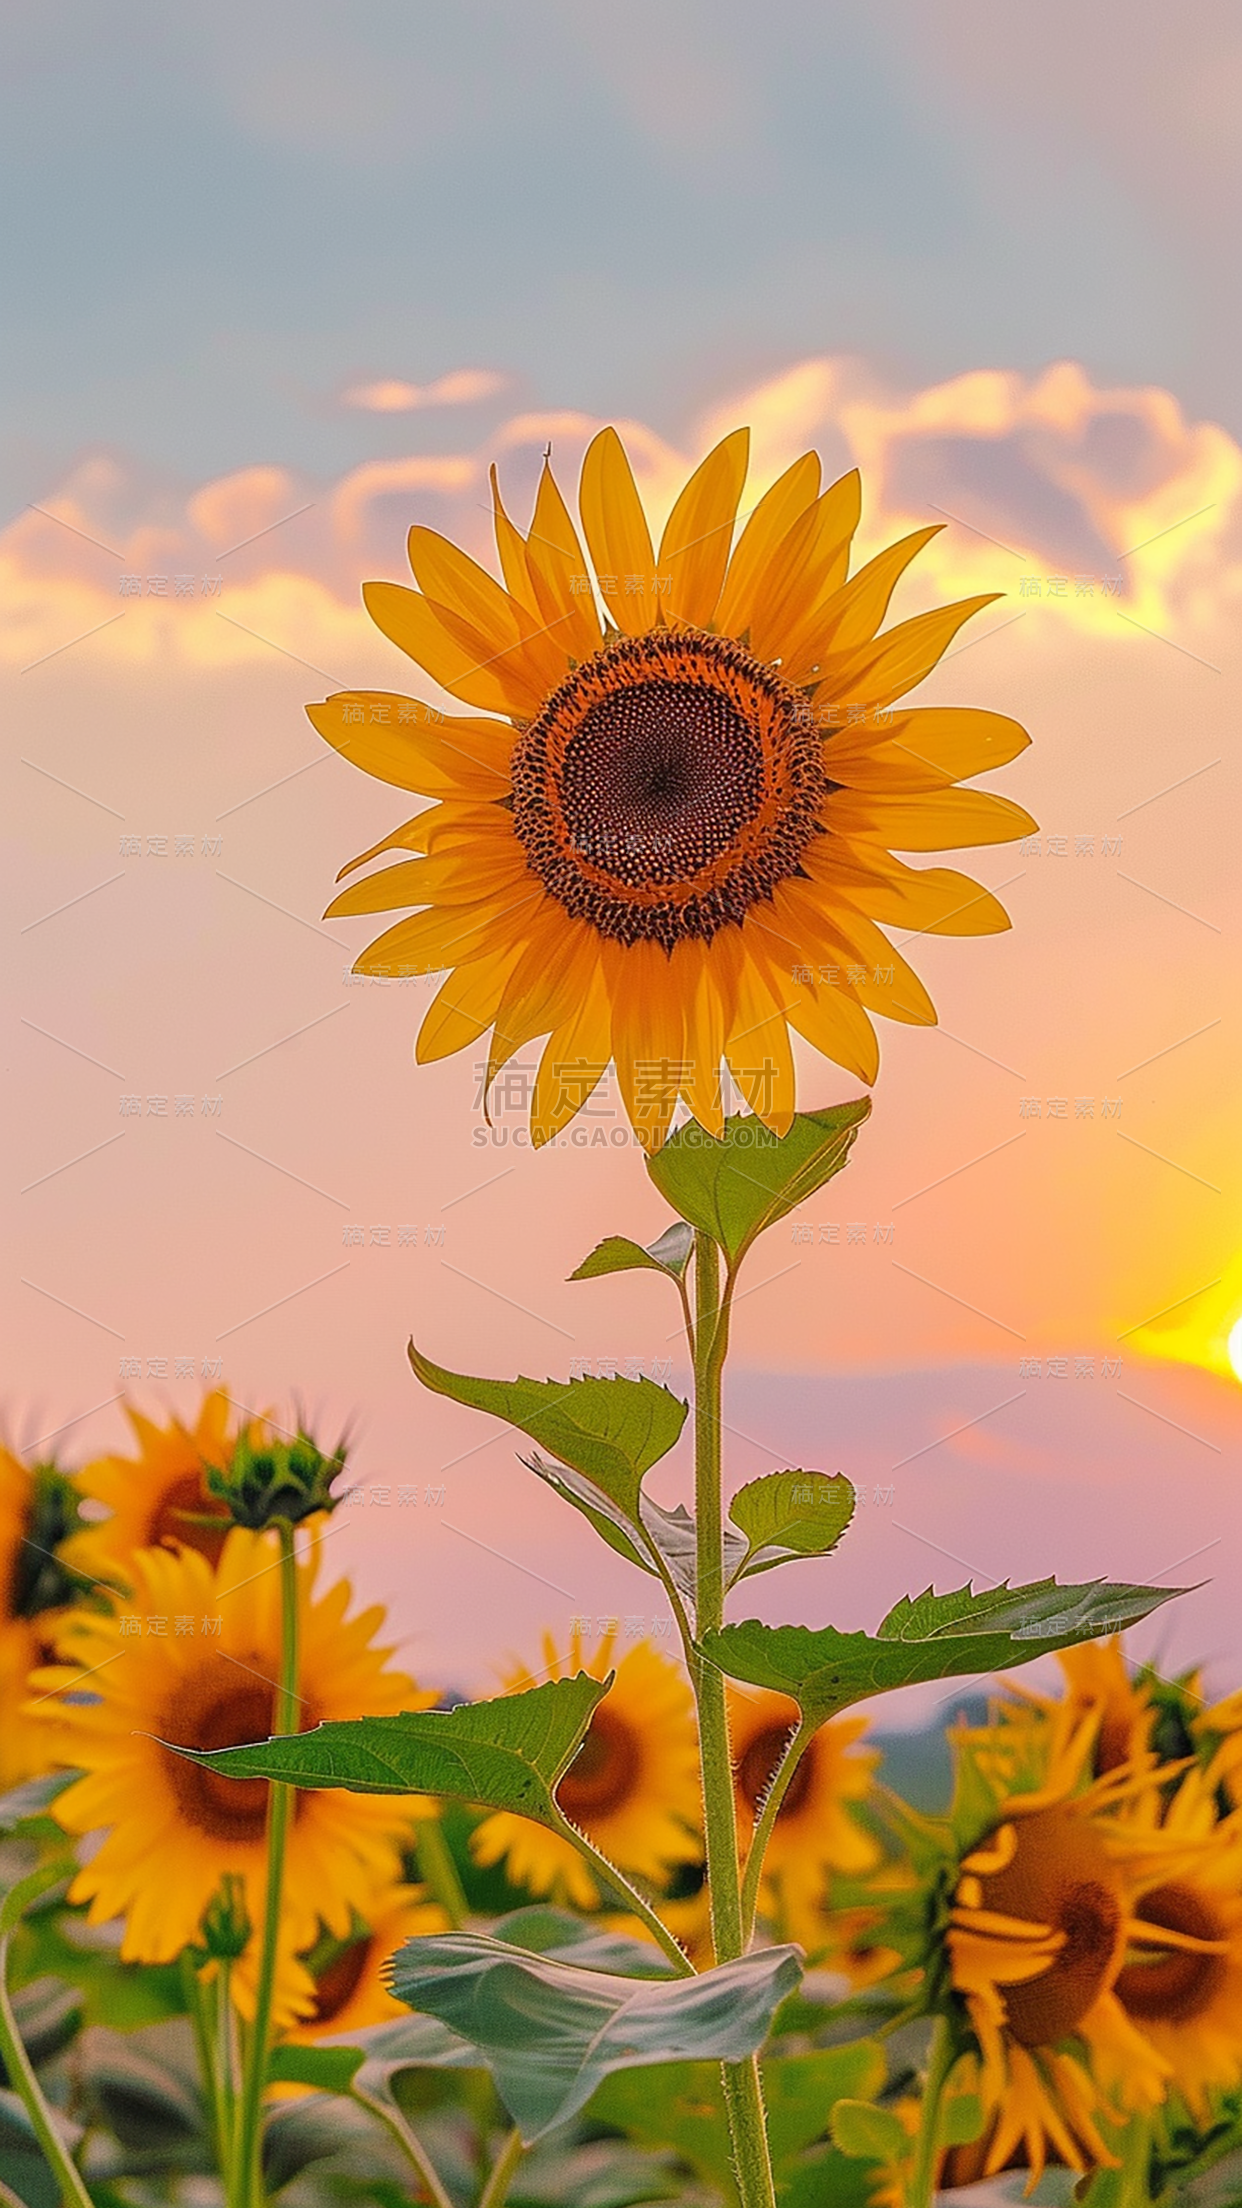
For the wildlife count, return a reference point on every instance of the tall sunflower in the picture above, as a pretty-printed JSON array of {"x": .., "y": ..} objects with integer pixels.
[
  {"x": 632, "y": 1788},
  {"x": 815, "y": 1831},
  {"x": 157, "y": 1497},
  {"x": 196, "y": 1661},
  {"x": 664, "y": 837}
]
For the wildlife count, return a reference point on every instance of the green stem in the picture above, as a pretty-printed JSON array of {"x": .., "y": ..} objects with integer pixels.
[
  {"x": 792, "y": 1757},
  {"x": 940, "y": 2058},
  {"x": 247, "y": 2170},
  {"x": 439, "y": 1872},
  {"x": 226, "y": 2058},
  {"x": 25, "y": 2084},
  {"x": 409, "y": 2142},
  {"x": 621, "y": 1886},
  {"x": 496, "y": 2190},
  {"x": 742, "y": 2089}
]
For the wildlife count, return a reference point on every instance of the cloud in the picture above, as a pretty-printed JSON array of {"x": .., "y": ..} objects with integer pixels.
[
  {"x": 1038, "y": 480},
  {"x": 464, "y": 387}
]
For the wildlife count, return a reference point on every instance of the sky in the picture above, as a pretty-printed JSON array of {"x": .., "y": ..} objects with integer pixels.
[{"x": 281, "y": 285}]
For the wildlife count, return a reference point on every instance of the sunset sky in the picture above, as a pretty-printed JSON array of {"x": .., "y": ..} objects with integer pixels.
[{"x": 282, "y": 286}]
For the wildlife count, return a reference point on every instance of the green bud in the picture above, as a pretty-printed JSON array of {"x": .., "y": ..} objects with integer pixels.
[
  {"x": 225, "y": 1923},
  {"x": 275, "y": 1480}
]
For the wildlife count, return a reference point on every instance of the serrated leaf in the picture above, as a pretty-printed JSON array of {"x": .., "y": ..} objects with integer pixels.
[
  {"x": 867, "y": 2133},
  {"x": 734, "y": 1187},
  {"x": 680, "y": 2106},
  {"x": 608, "y": 1518},
  {"x": 551, "y": 2030},
  {"x": 507, "y": 1753},
  {"x": 669, "y": 1254},
  {"x": 826, "y": 1671},
  {"x": 330, "y": 2069},
  {"x": 786, "y": 1515}
]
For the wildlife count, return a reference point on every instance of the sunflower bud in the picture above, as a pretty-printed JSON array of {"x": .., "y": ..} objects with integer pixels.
[
  {"x": 267, "y": 1481},
  {"x": 226, "y": 1924}
]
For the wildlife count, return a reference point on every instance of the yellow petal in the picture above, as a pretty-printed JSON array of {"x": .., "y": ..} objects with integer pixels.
[
  {"x": 617, "y": 533},
  {"x": 891, "y": 664},
  {"x": 457, "y": 656},
  {"x": 938, "y": 820},
  {"x": 463, "y": 1006},
  {"x": 424, "y": 750},
  {"x": 543, "y": 988},
  {"x": 772, "y": 519},
  {"x": 511, "y": 548},
  {"x": 934, "y": 899},
  {"x": 431, "y": 940},
  {"x": 448, "y": 577},
  {"x": 452, "y": 877},
  {"x": 558, "y": 569},
  {"x": 697, "y": 971},
  {"x": 648, "y": 1036},
  {"x": 853, "y": 613},
  {"x": 923, "y": 749},
  {"x": 809, "y": 562},
  {"x": 446, "y": 826},
  {"x": 758, "y": 1051},
  {"x": 574, "y": 1061},
  {"x": 829, "y": 1018},
  {"x": 694, "y": 550}
]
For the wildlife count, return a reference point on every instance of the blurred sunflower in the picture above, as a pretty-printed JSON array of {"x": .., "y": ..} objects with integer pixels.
[
  {"x": 195, "y": 1661},
  {"x": 36, "y": 1508},
  {"x": 632, "y": 1788},
  {"x": 157, "y": 1497},
  {"x": 348, "y": 1975},
  {"x": 815, "y": 1830},
  {"x": 666, "y": 837},
  {"x": 1181, "y": 1982},
  {"x": 1100, "y": 1686}
]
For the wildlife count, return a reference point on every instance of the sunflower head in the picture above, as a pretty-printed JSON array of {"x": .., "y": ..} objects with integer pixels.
[
  {"x": 665, "y": 836},
  {"x": 159, "y": 1498},
  {"x": 266, "y": 1481}
]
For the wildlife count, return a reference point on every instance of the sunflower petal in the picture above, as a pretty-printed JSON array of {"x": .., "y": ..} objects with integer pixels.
[
  {"x": 809, "y": 562},
  {"x": 574, "y": 1061},
  {"x": 923, "y": 749},
  {"x": 463, "y": 1006},
  {"x": 464, "y": 662},
  {"x": 424, "y": 751},
  {"x": 694, "y": 549},
  {"x": 876, "y": 673},
  {"x": 758, "y": 1049},
  {"x": 936, "y": 900},
  {"x": 542, "y": 990},
  {"x": 853, "y": 613},
  {"x": 702, "y": 972},
  {"x": 457, "y": 936},
  {"x": 829, "y": 1018},
  {"x": 772, "y": 519},
  {"x": 511, "y": 550},
  {"x": 446, "y": 826},
  {"x": 448, "y": 577},
  {"x": 459, "y": 878},
  {"x": 648, "y": 1036},
  {"x": 617, "y": 533},
  {"x": 558, "y": 569},
  {"x": 938, "y": 820}
]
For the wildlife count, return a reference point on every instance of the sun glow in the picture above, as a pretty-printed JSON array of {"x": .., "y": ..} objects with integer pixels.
[{"x": 1234, "y": 1346}]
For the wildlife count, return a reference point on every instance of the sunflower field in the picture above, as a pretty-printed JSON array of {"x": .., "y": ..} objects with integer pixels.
[{"x": 280, "y": 1921}]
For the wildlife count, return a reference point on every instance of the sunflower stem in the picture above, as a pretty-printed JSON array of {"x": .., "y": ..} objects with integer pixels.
[
  {"x": 25, "y": 2084},
  {"x": 439, "y": 1872},
  {"x": 743, "y": 2092},
  {"x": 409, "y": 2142},
  {"x": 248, "y": 2176},
  {"x": 610, "y": 1876},
  {"x": 500, "y": 2176},
  {"x": 940, "y": 2059},
  {"x": 795, "y": 1749}
]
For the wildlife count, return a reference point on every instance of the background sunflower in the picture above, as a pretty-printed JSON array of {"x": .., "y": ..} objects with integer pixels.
[{"x": 158, "y": 1496}]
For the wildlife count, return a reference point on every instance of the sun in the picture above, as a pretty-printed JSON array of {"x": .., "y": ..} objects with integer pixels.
[{"x": 1234, "y": 1347}]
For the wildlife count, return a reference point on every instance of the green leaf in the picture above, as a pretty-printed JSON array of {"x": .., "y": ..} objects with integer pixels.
[
  {"x": 543, "y": 1930},
  {"x": 680, "y": 2106},
  {"x": 790, "y": 1514},
  {"x": 870, "y": 2134},
  {"x": 670, "y": 1254},
  {"x": 961, "y": 2119},
  {"x": 331, "y": 2069},
  {"x": 927, "y": 1637},
  {"x": 612, "y": 1523},
  {"x": 550, "y": 2030},
  {"x": 504, "y": 1754},
  {"x": 734, "y": 1187}
]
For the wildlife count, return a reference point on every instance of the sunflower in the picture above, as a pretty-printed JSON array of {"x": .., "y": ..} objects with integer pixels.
[
  {"x": 632, "y": 1788},
  {"x": 664, "y": 835},
  {"x": 195, "y": 1661},
  {"x": 1100, "y": 1686},
  {"x": 815, "y": 1831},
  {"x": 157, "y": 1497},
  {"x": 348, "y": 1976},
  {"x": 34, "y": 1508},
  {"x": 1046, "y": 1903},
  {"x": 1181, "y": 1983}
]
